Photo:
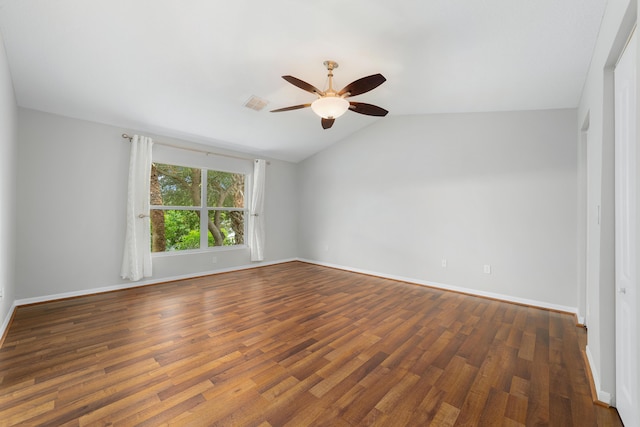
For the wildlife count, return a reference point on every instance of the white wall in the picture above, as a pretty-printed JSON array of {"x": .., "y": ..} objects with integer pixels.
[
  {"x": 484, "y": 188},
  {"x": 72, "y": 180},
  {"x": 596, "y": 108},
  {"x": 8, "y": 153}
]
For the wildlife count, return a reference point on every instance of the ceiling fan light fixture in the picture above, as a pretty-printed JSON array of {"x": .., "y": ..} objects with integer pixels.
[
  {"x": 331, "y": 104},
  {"x": 330, "y": 107}
]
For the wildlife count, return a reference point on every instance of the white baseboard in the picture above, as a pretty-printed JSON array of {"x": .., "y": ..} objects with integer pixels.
[
  {"x": 507, "y": 298},
  {"x": 83, "y": 292},
  {"x": 501, "y": 297},
  {"x": 602, "y": 396},
  {"x": 7, "y": 319}
]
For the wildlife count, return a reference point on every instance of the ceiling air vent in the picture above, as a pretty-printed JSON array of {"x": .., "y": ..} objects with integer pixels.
[{"x": 256, "y": 103}]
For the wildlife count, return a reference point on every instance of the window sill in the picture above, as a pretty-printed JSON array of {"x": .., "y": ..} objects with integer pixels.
[{"x": 214, "y": 249}]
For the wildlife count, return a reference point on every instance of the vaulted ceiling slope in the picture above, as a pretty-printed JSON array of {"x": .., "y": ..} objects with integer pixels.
[{"x": 185, "y": 68}]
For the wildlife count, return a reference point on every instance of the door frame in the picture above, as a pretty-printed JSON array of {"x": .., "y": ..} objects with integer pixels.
[{"x": 626, "y": 225}]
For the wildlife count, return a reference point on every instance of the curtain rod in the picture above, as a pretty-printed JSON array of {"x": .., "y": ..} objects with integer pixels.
[{"x": 130, "y": 138}]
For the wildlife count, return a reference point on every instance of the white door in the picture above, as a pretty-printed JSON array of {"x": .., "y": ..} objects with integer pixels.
[{"x": 625, "y": 217}]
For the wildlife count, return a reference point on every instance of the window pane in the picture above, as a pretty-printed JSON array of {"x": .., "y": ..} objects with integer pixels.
[
  {"x": 225, "y": 189},
  {"x": 174, "y": 230},
  {"x": 175, "y": 185},
  {"x": 226, "y": 228}
]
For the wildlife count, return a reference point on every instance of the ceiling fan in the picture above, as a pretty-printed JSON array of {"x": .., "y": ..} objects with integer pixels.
[{"x": 331, "y": 104}]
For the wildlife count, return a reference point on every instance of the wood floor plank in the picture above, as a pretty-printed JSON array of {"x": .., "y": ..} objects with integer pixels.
[
  {"x": 293, "y": 344},
  {"x": 446, "y": 415},
  {"x": 396, "y": 393}
]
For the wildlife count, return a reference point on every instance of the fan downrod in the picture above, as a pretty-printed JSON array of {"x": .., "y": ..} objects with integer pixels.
[{"x": 331, "y": 65}]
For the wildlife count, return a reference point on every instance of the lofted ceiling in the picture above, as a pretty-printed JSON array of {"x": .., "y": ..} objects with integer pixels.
[{"x": 185, "y": 68}]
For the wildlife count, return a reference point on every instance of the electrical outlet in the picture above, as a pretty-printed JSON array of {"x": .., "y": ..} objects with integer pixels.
[
  {"x": 487, "y": 269},
  {"x": 214, "y": 259},
  {"x": 444, "y": 262}
]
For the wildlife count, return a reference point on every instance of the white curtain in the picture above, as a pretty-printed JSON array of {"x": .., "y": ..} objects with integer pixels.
[
  {"x": 136, "y": 262},
  {"x": 256, "y": 211}
]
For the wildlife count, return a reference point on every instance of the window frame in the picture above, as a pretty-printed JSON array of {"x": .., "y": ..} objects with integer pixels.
[{"x": 204, "y": 212}]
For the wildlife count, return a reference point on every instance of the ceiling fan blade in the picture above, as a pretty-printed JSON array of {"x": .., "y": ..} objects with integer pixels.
[
  {"x": 367, "y": 109},
  {"x": 294, "y": 107},
  {"x": 303, "y": 85},
  {"x": 327, "y": 123},
  {"x": 363, "y": 85}
]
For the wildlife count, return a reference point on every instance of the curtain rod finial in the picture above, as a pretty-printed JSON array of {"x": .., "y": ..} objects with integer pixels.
[{"x": 125, "y": 136}]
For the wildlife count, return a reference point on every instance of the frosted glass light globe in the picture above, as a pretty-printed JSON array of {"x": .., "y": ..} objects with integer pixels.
[{"x": 330, "y": 107}]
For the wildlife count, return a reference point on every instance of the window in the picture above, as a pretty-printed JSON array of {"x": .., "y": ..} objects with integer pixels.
[{"x": 178, "y": 215}]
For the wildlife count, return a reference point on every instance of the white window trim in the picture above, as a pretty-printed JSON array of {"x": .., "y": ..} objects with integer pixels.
[
  {"x": 211, "y": 249},
  {"x": 204, "y": 213}
]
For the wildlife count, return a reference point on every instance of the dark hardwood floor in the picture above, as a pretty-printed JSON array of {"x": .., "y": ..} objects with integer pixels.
[{"x": 293, "y": 345}]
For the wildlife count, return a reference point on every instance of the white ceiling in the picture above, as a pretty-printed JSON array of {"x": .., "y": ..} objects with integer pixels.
[{"x": 184, "y": 68}]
